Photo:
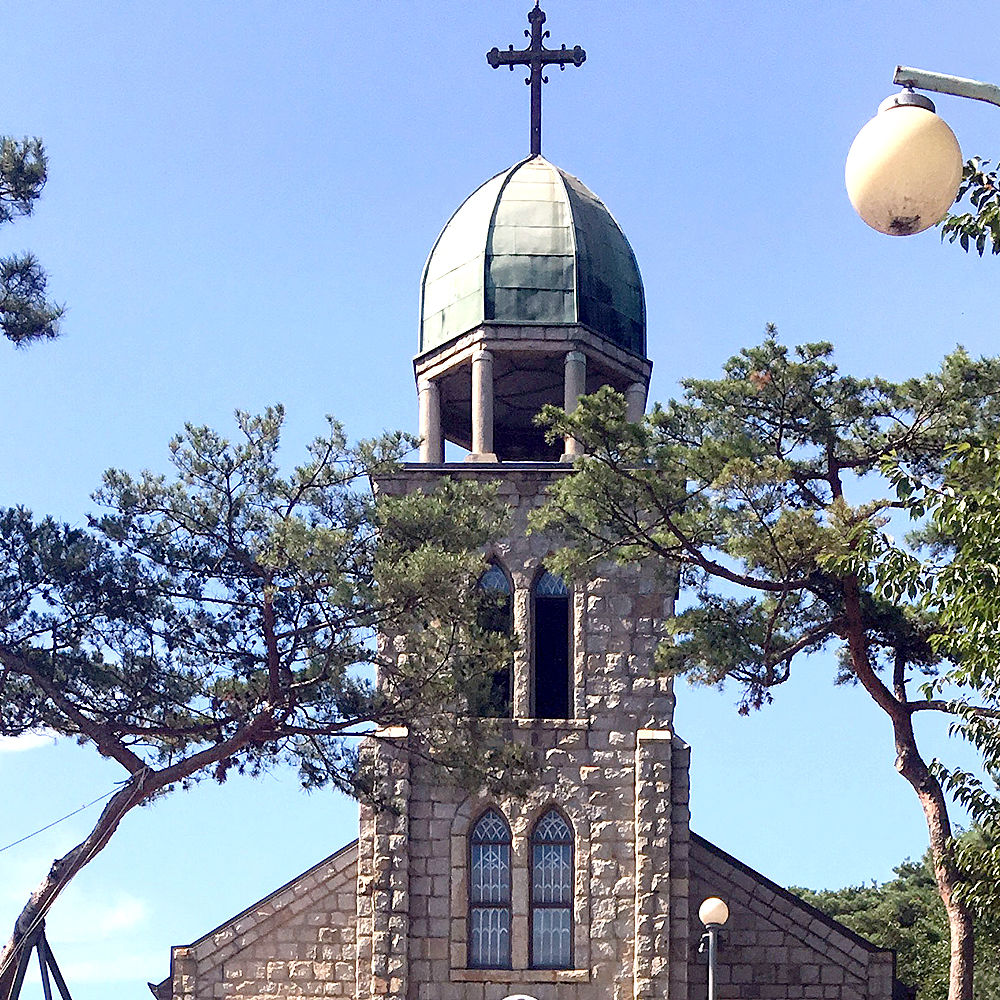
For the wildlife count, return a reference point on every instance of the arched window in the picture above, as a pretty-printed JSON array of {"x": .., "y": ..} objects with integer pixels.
[
  {"x": 552, "y": 893},
  {"x": 496, "y": 614},
  {"x": 550, "y": 600},
  {"x": 489, "y": 892}
]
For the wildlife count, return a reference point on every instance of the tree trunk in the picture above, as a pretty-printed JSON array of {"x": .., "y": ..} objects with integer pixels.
[
  {"x": 913, "y": 768},
  {"x": 134, "y": 791},
  {"x": 143, "y": 784}
]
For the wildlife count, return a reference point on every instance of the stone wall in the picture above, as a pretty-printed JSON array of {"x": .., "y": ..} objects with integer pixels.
[
  {"x": 775, "y": 945},
  {"x": 630, "y": 830},
  {"x": 383, "y": 897},
  {"x": 298, "y": 941}
]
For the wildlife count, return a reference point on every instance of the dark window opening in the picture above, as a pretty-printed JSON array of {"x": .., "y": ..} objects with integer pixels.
[
  {"x": 489, "y": 893},
  {"x": 552, "y": 893},
  {"x": 551, "y": 652},
  {"x": 491, "y": 696}
]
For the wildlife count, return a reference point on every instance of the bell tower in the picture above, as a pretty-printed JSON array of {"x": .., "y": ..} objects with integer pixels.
[{"x": 532, "y": 295}]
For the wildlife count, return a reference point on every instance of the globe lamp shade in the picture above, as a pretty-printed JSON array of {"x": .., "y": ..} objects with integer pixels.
[
  {"x": 713, "y": 911},
  {"x": 903, "y": 170}
]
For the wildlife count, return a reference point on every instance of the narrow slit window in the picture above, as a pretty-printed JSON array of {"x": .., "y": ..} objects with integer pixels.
[
  {"x": 552, "y": 682},
  {"x": 552, "y": 893},
  {"x": 489, "y": 893},
  {"x": 496, "y": 614}
]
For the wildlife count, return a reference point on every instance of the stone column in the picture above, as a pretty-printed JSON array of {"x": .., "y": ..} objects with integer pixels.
[
  {"x": 482, "y": 406},
  {"x": 522, "y": 655},
  {"x": 429, "y": 404},
  {"x": 635, "y": 402},
  {"x": 383, "y": 931},
  {"x": 184, "y": 969},
  {"x": 574, "y": 386},
  {"x": 653, "y": 821},
  {"x": 680, "y": 868}
]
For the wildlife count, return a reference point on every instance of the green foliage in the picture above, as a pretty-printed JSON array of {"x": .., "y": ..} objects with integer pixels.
[
  {"x": 905, "y": 914},
  {"x": 743, "y": 484},
  {"x": 226, "y": 616},
  {"x": 981, "y": 227},
  {"x": 22, "y": 176},
  {"x": 25, "y": 313},
  {"x": 757, "y": 490},
  {"x": 951, "y": 570}
]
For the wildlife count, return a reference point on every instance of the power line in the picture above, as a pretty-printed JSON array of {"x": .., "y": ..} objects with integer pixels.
[
  {"x": 39, "y": 919},
  {"x": 57, "y": 821}
]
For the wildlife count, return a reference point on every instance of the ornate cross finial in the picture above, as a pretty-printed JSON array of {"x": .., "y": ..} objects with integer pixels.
[{"x": 536, "y": 56}]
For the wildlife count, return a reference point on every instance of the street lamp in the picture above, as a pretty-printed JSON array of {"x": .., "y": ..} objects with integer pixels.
[
  {"x": 904, "y": 167},
  {"x": 713, "y": 913}
]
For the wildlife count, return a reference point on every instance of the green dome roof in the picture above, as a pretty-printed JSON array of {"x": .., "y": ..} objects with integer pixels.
[{"x": 533, "y": 245}]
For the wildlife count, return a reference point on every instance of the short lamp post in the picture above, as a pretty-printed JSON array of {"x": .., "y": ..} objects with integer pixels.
[
  {"x": 713, "y": 913},
  {"x": 904, "y": 167}
]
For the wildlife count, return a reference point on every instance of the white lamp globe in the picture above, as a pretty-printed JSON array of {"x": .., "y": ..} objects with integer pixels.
[
  {"x": 904, "y": 168},
  {"x": 713, "y": 911}
]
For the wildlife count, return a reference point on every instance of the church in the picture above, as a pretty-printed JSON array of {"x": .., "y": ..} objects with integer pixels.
[{"x": 589, "y": 887}]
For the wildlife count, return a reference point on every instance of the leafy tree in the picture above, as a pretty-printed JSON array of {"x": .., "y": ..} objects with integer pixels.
[
  {"x": 979, "y": 228},
  {"x": 952, "y": 567},
  {"x": 231, "y": 617},
  {"x": 905, "y": 914},
  {"x": 746, "y": 485},
  {"x": 25, "y": 313}
]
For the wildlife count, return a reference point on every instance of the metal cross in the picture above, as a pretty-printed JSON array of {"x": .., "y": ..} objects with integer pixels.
[{"x": 536, "y": 56}]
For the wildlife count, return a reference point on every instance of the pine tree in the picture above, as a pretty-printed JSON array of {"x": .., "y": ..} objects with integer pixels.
[
  {"x": 25, "y": 313},
  {"x": 232, "y": 618},
  {"x": 746, "y": 487}
]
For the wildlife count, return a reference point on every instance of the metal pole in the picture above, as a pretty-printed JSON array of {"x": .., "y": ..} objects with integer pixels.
[
  {"x": 43, "y": 967},
  {"x": 713, "y": 940},
  {"x": 940, "y": 83},
  {"x": 56, "y": 974},
  {"x": 27, "y": 946}
]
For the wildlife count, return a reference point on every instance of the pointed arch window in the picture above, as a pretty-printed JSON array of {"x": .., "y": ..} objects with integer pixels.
[
  {"x": 551, "y": 659},
  {"x": 496, "y": 614},
  {"x": 489, "y": 892},
  {"x": 552, "y": 892}
]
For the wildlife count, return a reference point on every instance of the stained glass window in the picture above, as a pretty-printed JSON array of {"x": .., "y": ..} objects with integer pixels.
[
  {"x": 489, "y": 893},
  {"x": 495, "y": 579},
  {"x": 552, "y": 892},
  {"x": 550, "y": 585}
]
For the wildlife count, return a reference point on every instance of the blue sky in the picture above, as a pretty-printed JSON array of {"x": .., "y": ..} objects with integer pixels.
[{"x": 241, "y": 198}]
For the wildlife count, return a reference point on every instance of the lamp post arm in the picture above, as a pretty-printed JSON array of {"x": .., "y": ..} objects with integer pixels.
[{"x": 941, "y": 83}]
